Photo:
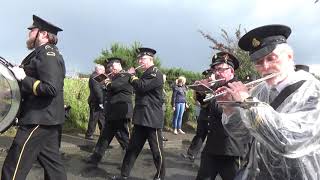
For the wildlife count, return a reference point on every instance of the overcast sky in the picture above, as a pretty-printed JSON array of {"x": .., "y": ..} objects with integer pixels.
[{"x": 169, "y": 26}]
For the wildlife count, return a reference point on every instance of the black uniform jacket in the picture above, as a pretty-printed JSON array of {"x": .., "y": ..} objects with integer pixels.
[
  {"x": 96, "y": 91},
  {"x": 218, "y": 141},
  {"x": 204, "y": 107},
  {"x": 42, "y": 88},
  {"x": 119, "y": 97},
  {"x": 149, "y": 99}
]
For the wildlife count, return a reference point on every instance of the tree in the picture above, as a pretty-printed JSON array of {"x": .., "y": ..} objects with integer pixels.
[
  {"x": 230, "y": 45},
  {"x": 174, "y": 73},
  {"x": 128, "y": 54}
]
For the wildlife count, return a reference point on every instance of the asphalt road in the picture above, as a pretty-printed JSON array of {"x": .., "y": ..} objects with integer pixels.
[{"x": 75, "y": 149}]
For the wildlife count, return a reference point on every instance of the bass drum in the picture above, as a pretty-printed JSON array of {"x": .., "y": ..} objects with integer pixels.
[{"x": 10, "y": 98}]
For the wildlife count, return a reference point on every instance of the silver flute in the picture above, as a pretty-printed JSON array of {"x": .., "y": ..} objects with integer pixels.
[{"x": 249, "y": 85}]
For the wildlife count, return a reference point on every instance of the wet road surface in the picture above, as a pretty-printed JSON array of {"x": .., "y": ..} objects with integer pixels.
[{"x": 75, "y": 150}]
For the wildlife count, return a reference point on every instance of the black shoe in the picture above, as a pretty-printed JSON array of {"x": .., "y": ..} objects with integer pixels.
[
  {"x": 164, "y": 139},
  {"x": 94, "y": 159},
  {"x": 119, "y": 178},
  {"x": 89, "y": 137},
  {"x": 158, "y": 178},
  {"x": 188, "y": 156}
]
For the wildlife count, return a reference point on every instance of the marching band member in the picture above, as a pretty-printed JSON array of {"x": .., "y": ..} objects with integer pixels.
[
  {"x": 118, "y": 108},
  {"x": 42, "y": 108},
  {"x": 279, "y": 117},
  {"x": 147, "y": 115},
  {"x": 219, "y": 155}
]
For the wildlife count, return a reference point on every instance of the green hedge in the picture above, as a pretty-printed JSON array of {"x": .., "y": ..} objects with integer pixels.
[{"x": 76, "y": 92}]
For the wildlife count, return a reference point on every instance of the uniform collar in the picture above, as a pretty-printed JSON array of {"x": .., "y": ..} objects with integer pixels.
[{"x": 292, "y": 78}]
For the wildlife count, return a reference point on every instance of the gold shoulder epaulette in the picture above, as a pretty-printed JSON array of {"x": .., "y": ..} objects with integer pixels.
[{"x": 133, "y": 78}]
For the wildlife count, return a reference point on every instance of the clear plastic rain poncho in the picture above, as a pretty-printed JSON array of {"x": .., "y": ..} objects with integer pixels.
[{"x": 284, "y": 143}]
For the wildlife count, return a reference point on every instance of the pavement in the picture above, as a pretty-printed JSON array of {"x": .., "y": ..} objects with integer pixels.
[
  {"x": 78, "y": 141},
  {"x": 75, "y": 148}
]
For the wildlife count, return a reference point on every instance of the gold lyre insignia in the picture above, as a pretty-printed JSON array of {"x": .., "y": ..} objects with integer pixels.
[
  {"x": 255, "y": 42},
  {"x": 225, "y": 57}
]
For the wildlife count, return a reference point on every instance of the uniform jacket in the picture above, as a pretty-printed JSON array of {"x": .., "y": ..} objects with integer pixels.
[
  {"x": 204, "y": 107},
  {"x": 218, "y": 140},
  {"x": 42, "y": 88},
  {"x": 119, "y": 97},
  {"x": 96, "y": 92},
  {"x": 149, "y": 99}
]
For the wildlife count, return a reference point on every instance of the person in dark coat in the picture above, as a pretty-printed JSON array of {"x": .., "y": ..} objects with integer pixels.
[
  {"x": 219, "y": 156},
  {"x": 202, "y": 123},
  {"x": 147, "y": 116},
  {"x": 119, "y": 109},
  {"x": 41, "y": 76},
  {"x": 95, "y": 101}
]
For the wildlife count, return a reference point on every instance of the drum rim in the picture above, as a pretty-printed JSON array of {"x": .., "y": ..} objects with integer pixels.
[{"x": 15, "y": 101}]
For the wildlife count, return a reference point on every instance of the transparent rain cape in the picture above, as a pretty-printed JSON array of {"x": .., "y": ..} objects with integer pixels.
[{"x": 284, "y": 143}]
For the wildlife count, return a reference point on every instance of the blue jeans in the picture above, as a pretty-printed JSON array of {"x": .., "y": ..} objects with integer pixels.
[{"x": 178, "y": 113}]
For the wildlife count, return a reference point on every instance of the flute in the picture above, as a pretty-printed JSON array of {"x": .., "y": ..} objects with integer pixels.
[
  {"x": 134, "y": 69},
  {"x": 215, "y": 81},
  {"x": 138, "y": 67},
  {"x": 123, "y": 72},
  {"x": 249, "y": 85}
]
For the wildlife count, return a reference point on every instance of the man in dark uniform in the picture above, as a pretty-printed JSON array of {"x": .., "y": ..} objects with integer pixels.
[
  {"x": 219, "y": 155},
  {"x": 202, "y": 123},
  {"x": 148, "y": 115},
  {"x": 119, "y": 109},
  {"x": 95, "y": 102},
  {"x": 41, "y": 77}
]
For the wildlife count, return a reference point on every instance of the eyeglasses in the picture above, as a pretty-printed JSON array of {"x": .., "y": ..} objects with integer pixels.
[
  {"x": 220, "y": 70},
  {"x": 142, "y": 58},
  {"x": 270, "y": 60}
]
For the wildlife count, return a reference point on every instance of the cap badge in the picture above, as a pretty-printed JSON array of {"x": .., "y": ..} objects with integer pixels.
[
  {"x": 255, "y": 42},
  {"x": 225, "y": 58}
]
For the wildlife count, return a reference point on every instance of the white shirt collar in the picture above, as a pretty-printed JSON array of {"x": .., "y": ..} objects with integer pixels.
[{"x": 292, "y": 78}]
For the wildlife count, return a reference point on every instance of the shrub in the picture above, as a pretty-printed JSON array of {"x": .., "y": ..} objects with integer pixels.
[{"x": 76, "y": 92}]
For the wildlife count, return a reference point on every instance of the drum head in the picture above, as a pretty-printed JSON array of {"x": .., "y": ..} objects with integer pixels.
[{"x": 9, "y": 98}]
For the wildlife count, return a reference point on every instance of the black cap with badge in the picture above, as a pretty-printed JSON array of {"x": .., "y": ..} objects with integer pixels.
[
  {"x": 263, "y": 40},
  {"x": 146, "y": 51},
  {"x": 114, "y": 59},
  {"x": 225, "y": 57},
  {"x": 44, "y": 25},
  {"x": 206, "y": 72}
]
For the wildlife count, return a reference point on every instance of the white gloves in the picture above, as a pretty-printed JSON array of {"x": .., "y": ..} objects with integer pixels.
[
  {"x": 18, "y": 73},
  {"x": 101, "y": 106}
]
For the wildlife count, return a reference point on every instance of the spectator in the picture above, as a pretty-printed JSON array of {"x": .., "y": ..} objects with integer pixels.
[{"x": 179, "y": 104}]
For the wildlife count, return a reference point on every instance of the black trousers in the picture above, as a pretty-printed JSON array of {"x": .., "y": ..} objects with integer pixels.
[
  {"x": 199, "y": 138},
  {"x": 96, "y": 116},
  {"x": 111, "y": 129},
  {"x": 212, "y": 165},
  {"x": 139, "y": 136},
  {"x": 34, "y": 142}
]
